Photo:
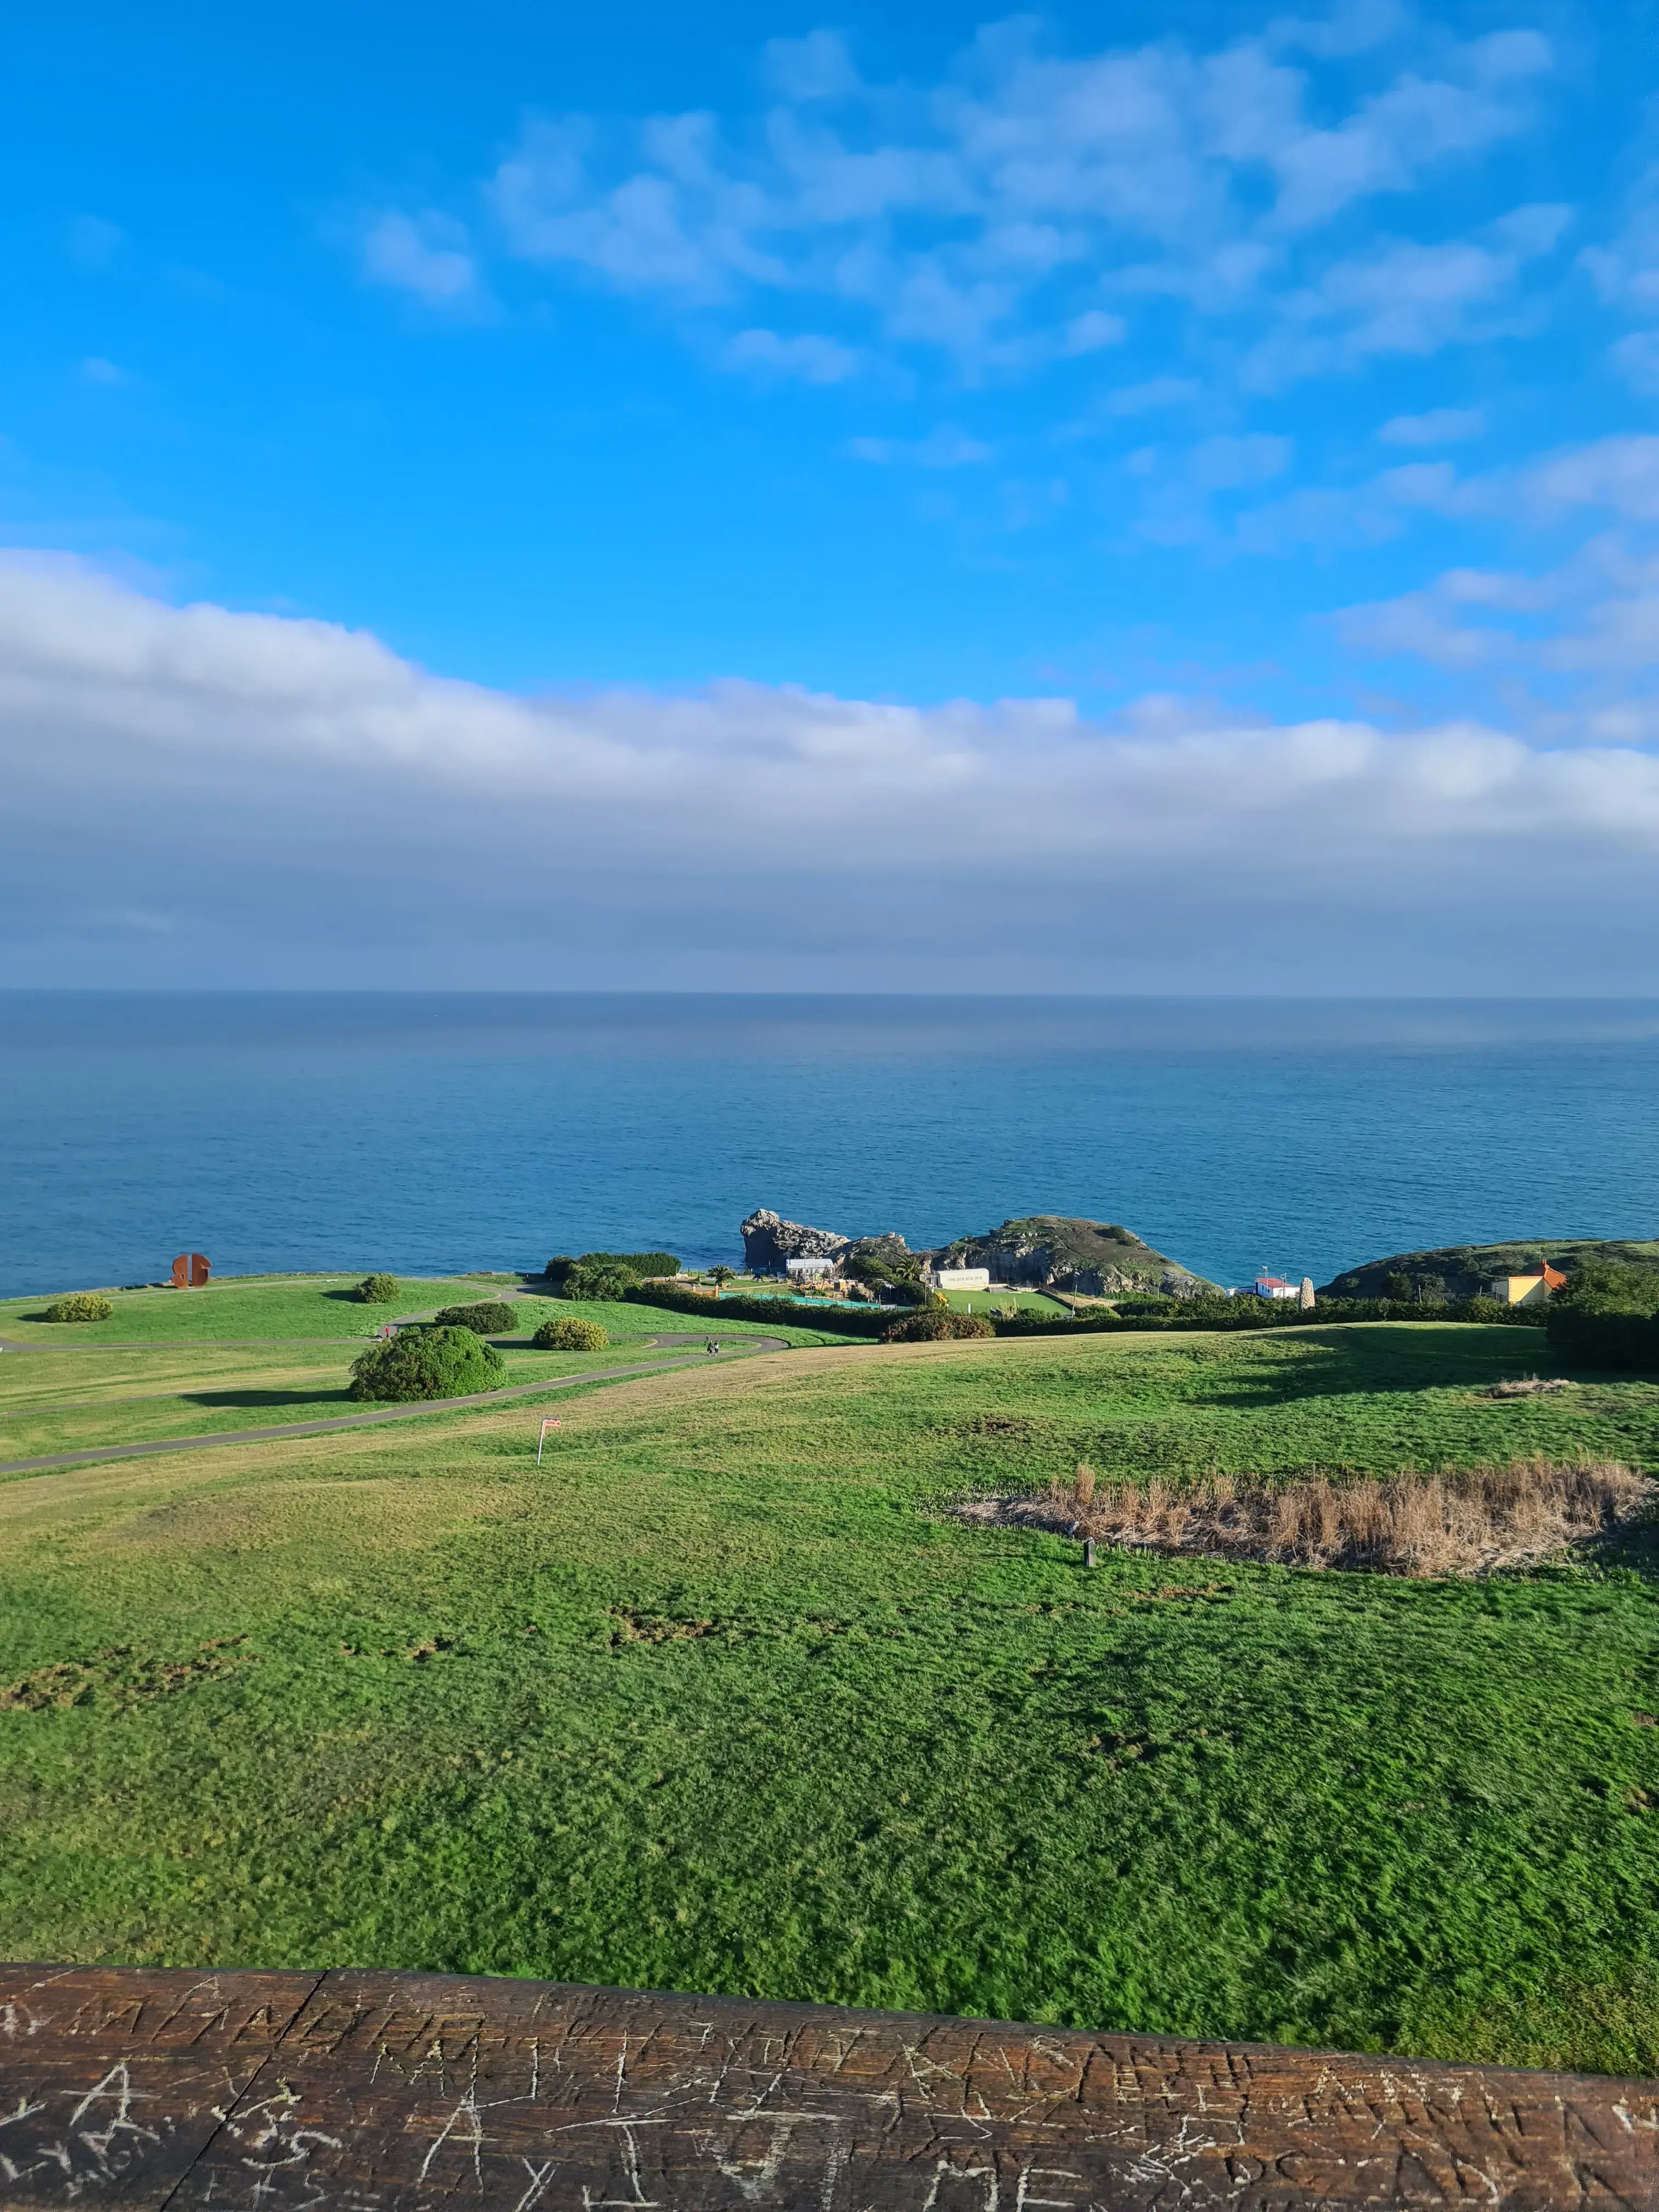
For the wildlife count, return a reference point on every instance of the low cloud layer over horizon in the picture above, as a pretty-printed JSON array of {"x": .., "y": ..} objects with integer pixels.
[{"x": 200, "y": 796}]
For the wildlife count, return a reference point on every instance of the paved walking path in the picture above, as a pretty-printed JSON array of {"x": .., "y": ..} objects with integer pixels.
[{"x": 733, "y": 1349}]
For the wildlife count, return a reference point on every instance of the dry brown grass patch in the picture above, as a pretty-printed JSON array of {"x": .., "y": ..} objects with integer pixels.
[{"x": 1462, "y": 1523}]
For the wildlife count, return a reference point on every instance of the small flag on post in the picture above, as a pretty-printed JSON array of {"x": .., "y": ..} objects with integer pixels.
[{"x": 549, "y": 1424}]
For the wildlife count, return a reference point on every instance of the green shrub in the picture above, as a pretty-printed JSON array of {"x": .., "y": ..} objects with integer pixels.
[
  {"x": 427, "y": 1363},
  {"x": 572, "y": 1334},
  {"x": 493, "y": 1317},
  {"x": 604, "y": 1282},
  {"x": 929, "y": 1324},
  {"x": 1629, "y": 1342},
  {"x": 80, "y": 1305},
  {"x": 378, "y": 1290},
  {"x": 607, "y": 1274},
  {"x": 1609, "y": 1286},
  {"x": 647, "y": 1266}
]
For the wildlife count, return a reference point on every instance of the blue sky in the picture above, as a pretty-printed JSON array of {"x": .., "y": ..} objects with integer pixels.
[{"x": 1136, "y": 469}]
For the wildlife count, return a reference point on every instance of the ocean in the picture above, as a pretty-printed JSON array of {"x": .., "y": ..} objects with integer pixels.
[{"x": 437, "y": 1133}]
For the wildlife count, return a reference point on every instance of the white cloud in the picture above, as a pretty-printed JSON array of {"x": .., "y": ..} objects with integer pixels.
[
  {"x": 1414, "y": 124},
  {"x": 1157, "y": 392},
  {"x": 1182, "y": 484},
  {"x": 1594, "y": 619},
  {"x": 94, "y": 369},
  {"x": 1402, "y": 297},
  {"x": 817, "y": 67},
  {"x": 289, "y": 780},
  {"x": 1621, "y": 474},
  {"x": 1627, "y": 271},
  {"x": 425, "y": 254},
  {"x": 1635, "y": 358},
  {"x": 1441, "y": 426},
  {"x": 943, "y": 447},
  {"x": 813, "y": 359},
  {"x": 1093, "y": 331},
  {"x": 1350, "y": 28},
  {"x": 988, "y": 218}
]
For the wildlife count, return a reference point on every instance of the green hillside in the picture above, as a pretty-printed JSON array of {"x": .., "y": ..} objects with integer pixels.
[
  {"x": 1462, "y": 1271},
  {"x": 1053, "y": 1247}
]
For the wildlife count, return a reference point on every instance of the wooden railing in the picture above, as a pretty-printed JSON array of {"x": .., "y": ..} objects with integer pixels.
[{"x": 369, "y": 2092}]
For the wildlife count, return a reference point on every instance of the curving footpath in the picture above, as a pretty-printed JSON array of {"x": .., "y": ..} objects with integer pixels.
[{"x": 424, "y": 1405}]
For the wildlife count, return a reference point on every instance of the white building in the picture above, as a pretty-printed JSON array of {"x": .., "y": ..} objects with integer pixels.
[
  {"x": 961, "y": 1279},
  {"x": 815, "y": 1267}
]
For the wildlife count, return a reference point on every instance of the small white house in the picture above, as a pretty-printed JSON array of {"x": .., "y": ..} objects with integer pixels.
[
  {"x": 813, "y": 1266},
  {"x": 961, "y": 1279}
]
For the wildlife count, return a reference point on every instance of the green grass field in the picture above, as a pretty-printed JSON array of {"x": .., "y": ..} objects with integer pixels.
[
  {"x": 722, "y": 1700},
  {"x": 999, "y": 1301},
  {"x": 287, "y": 1349},
  {"x": 314, "y": 1306}
]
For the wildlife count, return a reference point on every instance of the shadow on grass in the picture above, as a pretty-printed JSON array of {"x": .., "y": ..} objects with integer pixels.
[
  {"x": 1380, "y": 1358},
  {"x": 254, "y": 1398},
  {"x": 1634, "y": 1546}
]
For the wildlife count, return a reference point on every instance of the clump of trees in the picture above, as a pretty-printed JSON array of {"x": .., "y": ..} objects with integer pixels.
[
  {"x": 1609, "y": 1286},
  {"x": 931, "y": 1324},
  {"x": 1607, "y": 1315},
  {"x": 427, "y": 1363},
  {"x": 377, "y": 1291},
  {"x": 884, "y": 1267},
  {"x": 80, "y": 1305},
  {"x": 606, "y": 1275},
  {"x": 490, "y": 1317},
  {"x": 570, "y": 1334}
]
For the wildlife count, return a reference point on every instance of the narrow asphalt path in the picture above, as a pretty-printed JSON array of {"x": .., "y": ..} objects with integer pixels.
[{"x": 733, "y": 1350}]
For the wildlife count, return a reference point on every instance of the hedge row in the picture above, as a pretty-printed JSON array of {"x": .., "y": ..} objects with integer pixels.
[
  {"x": 779, "y": 1313},
  {"x": 1229, "y": 1314},
  {"x": 1628, "y": 1341},
  {"x": 1245, "y": 1313}
]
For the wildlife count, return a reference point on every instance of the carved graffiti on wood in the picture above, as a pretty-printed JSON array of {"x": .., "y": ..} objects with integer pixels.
[{"x": 276, "y": 2093}]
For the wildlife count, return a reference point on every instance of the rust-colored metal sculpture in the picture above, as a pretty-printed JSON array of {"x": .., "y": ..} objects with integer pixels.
[
  {"x": 190, "y": 1271},
  {"x": 123, "y": 2089}
]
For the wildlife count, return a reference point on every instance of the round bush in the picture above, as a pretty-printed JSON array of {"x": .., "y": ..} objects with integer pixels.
[
  {"x": 930, "y": 1325},
  {"x": 490, "y": 1318},
  {"x": 427, "y": 1363},
  {"x": 571, "y": 1334},
  {"x": 378, "y": 1290},
  {"x": 80, "y": 1305}
]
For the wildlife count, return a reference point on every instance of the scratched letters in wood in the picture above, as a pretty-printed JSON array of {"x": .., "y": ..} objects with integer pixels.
[
  {"x": 385, "y": 2091},
  {"x": 113, "y": 2082}
]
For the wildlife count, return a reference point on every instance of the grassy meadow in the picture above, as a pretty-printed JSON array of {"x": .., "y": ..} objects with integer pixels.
[
  {"x": 237, "y": 1356},
  {"x": 723, "y": 1699}
]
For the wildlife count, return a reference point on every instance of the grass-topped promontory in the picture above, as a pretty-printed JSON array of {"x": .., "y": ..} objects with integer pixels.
[{"x": 723, "y": 1698}]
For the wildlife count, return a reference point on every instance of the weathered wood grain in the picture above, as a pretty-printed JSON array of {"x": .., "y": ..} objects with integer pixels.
[
  {"x": 370, "y": 2092},
  {"x": 112, "y": 2082}
]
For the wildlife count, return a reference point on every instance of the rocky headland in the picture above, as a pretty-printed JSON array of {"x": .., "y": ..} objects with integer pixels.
[{"x": 1040, "y": 1251}]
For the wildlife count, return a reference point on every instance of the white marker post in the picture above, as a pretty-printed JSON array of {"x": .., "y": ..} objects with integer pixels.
[{"x": 550, "y": 1423}]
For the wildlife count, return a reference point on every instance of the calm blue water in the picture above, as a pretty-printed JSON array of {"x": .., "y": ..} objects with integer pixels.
[{"x": 433, "y": 1133}]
